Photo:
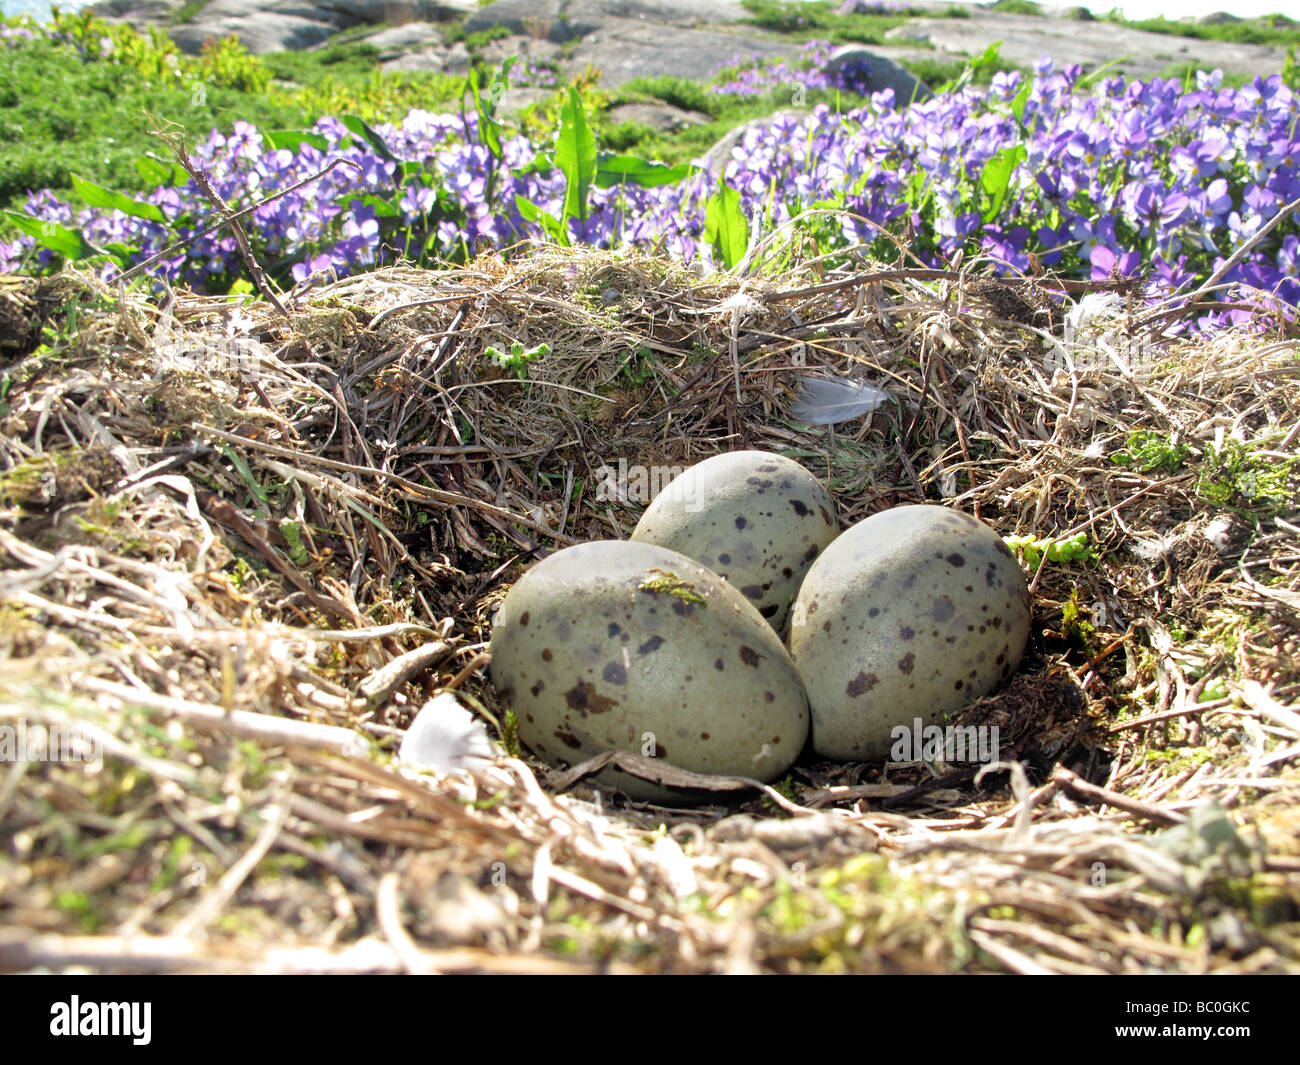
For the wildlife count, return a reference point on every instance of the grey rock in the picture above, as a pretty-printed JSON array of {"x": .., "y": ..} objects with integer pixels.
[
  {"x": 662, "y": 117},
  {"x": 884, "y": 73},
  {"x": 372, "y": 12},
  {"x": 911, "y": 33},
  {"x": 295, "y": 25},
  {"x": 691, "y": 38},
  {"x": 137, "y": 12},
  {"x": 1025, "y": 39},
  {"x": 268, "y": 32},
  {"x": 624, "y": 49},
  {"x": 397, "y": 39},
  {"x": 456, "y": 60},
  {"x": 561, "y": 21},
  {"x": 431, "y": 60},
  {"x": 537, "y": 48},
  {"x": 531, "y": 18}
]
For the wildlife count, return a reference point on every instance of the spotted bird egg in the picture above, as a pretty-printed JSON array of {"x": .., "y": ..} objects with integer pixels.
[
  {"x": 616, "y": 645},
  {"x": 911, "y": 613},
  {"x": 757, "y": 519}
]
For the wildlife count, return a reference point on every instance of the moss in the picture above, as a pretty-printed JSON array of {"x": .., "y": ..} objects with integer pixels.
[{"x": 666, "y": 583}]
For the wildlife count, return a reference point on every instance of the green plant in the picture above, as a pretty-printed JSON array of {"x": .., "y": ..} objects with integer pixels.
[
  {"x": 516, "y": 362},
  {"x": 1255, "y": 482},
  {"x": 1076, "y": 625},
  {"x": 725, "y": 227},
  {"x": 1018, "y": 7},
  {"x": 1147, "y": 451},
  {"x": 292, "y": 533},
  {"x": 638, "y": 367},
  {"x": 186, "y": 12},
  {"x": 1031, "y": 549},
  {"x": 510, "y": 734}
]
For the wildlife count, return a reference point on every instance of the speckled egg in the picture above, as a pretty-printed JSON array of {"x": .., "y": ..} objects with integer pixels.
[
  {"x": 756, "y": 519},
  {"x": 630, "y": 646},
  {"x": 911, "y": 613}
]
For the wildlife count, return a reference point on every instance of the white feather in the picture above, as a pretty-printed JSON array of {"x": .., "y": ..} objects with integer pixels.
[
  {"x": 446, "y": 738},
  {"x": 828, "y": 400},
  {"x": 1094, "y": 313}
]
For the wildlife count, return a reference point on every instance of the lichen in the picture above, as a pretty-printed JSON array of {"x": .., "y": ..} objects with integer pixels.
[{"x": 665, "y": 583}]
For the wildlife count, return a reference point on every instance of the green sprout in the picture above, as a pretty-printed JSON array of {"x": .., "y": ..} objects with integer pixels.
[
  {"x": 518, "y": 359},
  {"x": 1072, "y": 549},
  {"x": 1149, "y": 452},
  {"x": 292, "y": 533}
]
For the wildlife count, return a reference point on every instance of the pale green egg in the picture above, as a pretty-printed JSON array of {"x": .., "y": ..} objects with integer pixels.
[
  {"x": 616, "y": 645},
  {"x": 911, "y": 613}
]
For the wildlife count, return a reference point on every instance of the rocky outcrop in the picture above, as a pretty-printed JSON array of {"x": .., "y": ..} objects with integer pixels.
[{"x": 626, "y": 39}]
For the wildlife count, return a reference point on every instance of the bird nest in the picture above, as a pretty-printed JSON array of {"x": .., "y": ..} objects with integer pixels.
[{"x": 243, "y": 541}]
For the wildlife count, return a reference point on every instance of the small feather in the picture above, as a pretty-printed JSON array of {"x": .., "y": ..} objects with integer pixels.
[
  {"x": 446, "y": 738},
  {"x": 828, "y": 400},
  {"x": 1096, "y": 307}
]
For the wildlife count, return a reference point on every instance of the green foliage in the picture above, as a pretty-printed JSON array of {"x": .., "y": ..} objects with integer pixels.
[
  {"x": 89, "y": 117},
  {"x": 1031, "y": 549},
  {"x": 517, "y": 360},
  {"x": 995, "y": 179},
  {"x": 821, "y": 19},
  {"x": 639, "y": 367},
  {"x": 369, "y": 93},
  {"x": 292, "y": 533},
  {"x": 575, "y": 155},
  {"x": 626, "y": 135},
  {"x": 510, "y": 734},
  {"x": 1269, "y": 30},
  {"x": 228, "y": 64},
  {"x": 1075, "y": 624},
  {"x": 678, "y": 92},
  {"x": 725, "y": 226},
  {"x": 1147, "y": 451},
  {"x": 186, "y": 12},
  {"x": 1251, "y": 481},
  {"x": 1018, "y": 7}
]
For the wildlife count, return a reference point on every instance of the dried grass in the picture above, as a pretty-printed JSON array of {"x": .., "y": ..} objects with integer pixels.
[{"x": 243, "y": 586}]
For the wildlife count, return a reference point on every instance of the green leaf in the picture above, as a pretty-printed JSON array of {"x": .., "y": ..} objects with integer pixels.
[
  {"x": 549, "y": 223},
  {"x": 383, "y": 208},
  {"x": 156, "y": 172},
  {"x": 98, "y": 196},
  {"x": 725, "y": 226},
  {"x": 621, "y": 169},
  {"x": 995, "y": 178},
  {"x": 293, "y": 139},
  {"x": 489, "y": 129},
  {"x": 1021, "y": 98},
  {"x": 542, "y": 163},
  {"x": 59, "y": 239},
  {"x": 575, "y": 155},
  {"x": 246, "y": 474},
  {"x": 361, "y": 128}
]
